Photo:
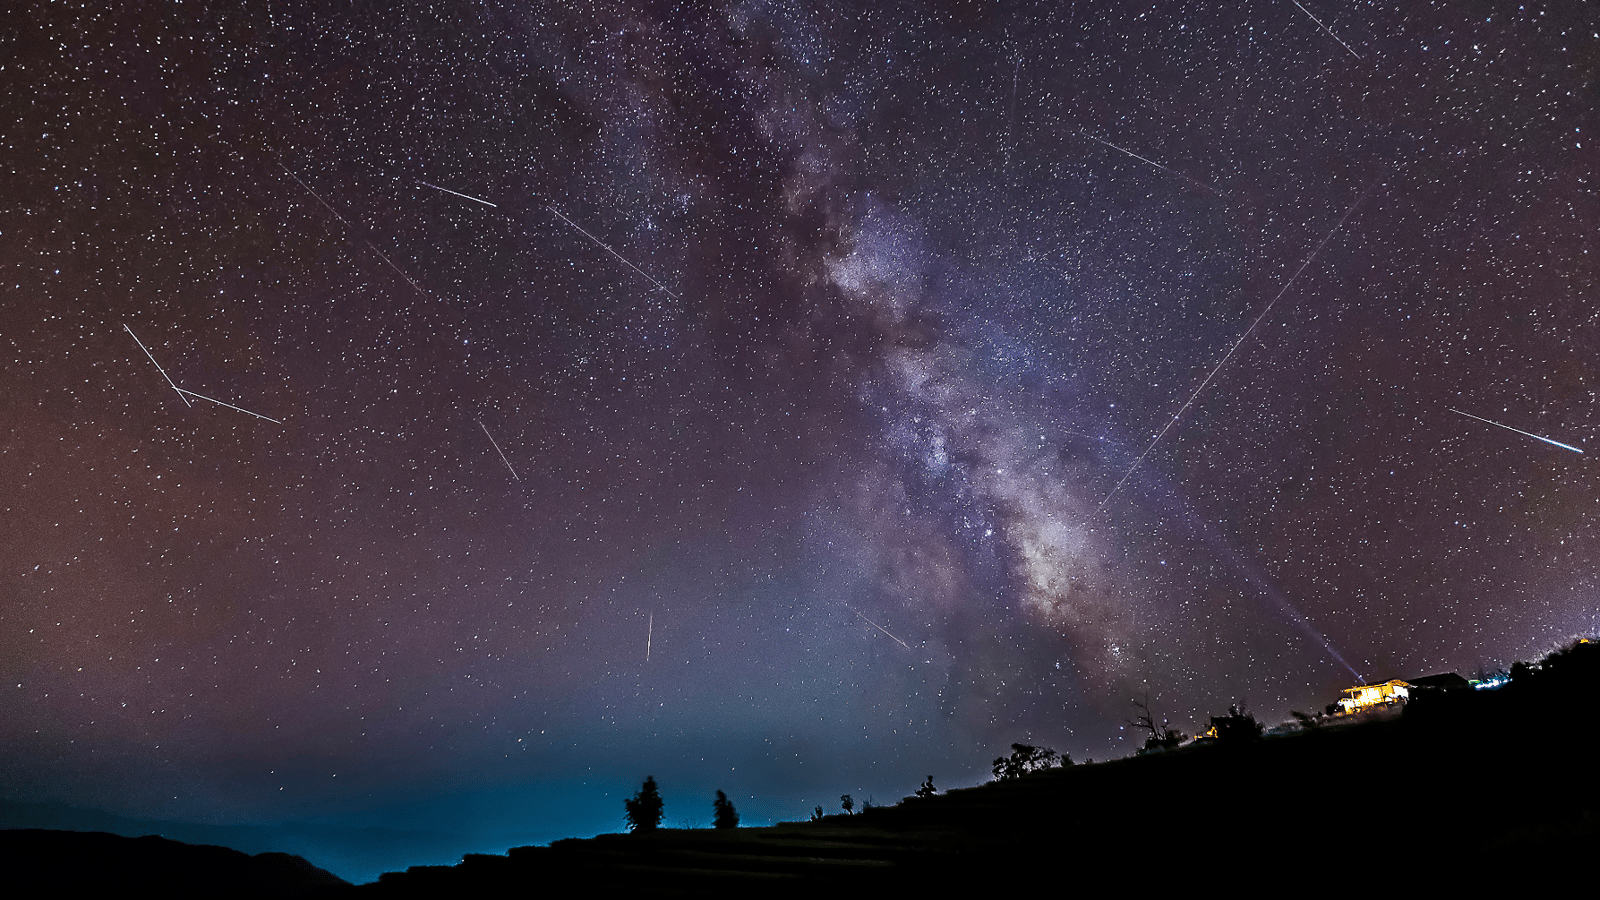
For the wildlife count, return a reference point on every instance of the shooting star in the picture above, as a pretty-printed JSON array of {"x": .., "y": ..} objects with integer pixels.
[
  {"x": 229, "y": 405},
  {"x": 879, "y": 627},
  {"x": 157, "y": 365},
  {"x": 1229, "y": 355},
  {"x": 314, "y": 194},
  {"x": 398, "y": 270},
  {"x": 458, "y": 194},
  {"x": 603, "y": 245},
  {"x": 649, "y": 634},
  {"x": 1327, "y": 29},
  {"x": 347, "y": 224},
  {"x": 1517, "y": 430},
  {"x": 497, "y": 449},
  {"x": 1194, "y": 181}
]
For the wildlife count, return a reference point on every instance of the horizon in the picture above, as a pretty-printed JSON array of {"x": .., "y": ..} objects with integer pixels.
[{"x": 444, "y": 418}]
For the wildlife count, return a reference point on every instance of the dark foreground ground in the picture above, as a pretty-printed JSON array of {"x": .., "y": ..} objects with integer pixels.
[
  {"x": 1466, "y": 794},
  {"x": 1288, "y": 813},
  {"x": 1470, "y": 795}
]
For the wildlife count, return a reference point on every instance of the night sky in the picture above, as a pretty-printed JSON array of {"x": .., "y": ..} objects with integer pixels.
[{"x": 765, "y": 433}]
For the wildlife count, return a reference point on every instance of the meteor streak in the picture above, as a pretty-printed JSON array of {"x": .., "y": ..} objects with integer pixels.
[
  {"x": 1327, "y": 29},
  {"x": 1517, "y": 430},
  {"x": 401, "y": 273},
  {"x": 157, "y": 365},
  {"x": 457, "y": 193},
  {"x": 497, "y": 449},
  {"x": 314, "y": 194},
  {"x": 603, "y": 245},
  {"x": 649, "y": 634},
  {"x": 1229, "y": 355},
  {"x": 879, "y": 627},
  {"x": 229, "y": 405},
  {"x": 1194, "y": 181}
]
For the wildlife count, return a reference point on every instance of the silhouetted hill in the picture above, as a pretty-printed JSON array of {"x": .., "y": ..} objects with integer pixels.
[
  {"x": 355, "y": 853},
  {"x": 1465, "y": 791},
  {"x": 39, "y": 863}
]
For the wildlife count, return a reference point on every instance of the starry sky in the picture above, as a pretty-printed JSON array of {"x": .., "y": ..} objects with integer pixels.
[{"x": 443, "y": 416}]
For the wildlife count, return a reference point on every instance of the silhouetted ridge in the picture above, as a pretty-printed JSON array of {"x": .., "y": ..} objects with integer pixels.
[{"x": 68, "y": 863}]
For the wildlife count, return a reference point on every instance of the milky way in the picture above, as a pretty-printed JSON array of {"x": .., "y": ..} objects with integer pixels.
[{"x": 741, "y": 394}]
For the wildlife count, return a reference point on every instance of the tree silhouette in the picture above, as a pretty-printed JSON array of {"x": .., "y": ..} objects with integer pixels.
[
  {"x": 1025, "y": 759},
  {"x": 927, "y": 789},
  {"x": 644, "y": 808},
  {"x": 726, "y": 815},
  {"x": 1161, "y": 736},
  {"x": 847, "y": 803},
  {"x": 816, "y": 814}
]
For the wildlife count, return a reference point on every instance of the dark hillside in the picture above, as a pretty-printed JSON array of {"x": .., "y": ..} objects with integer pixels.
[{"x": 1464, "y": 790}]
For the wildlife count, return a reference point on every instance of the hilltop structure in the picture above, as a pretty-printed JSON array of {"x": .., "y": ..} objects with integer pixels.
[
  {"x": 1396, "y": 691},
  {"x": 1367, "y": 696}
]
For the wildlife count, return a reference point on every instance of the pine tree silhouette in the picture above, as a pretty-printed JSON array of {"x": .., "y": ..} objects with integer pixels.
[
  {"x": 726, "y": 815},
  {"x": 644, "y": 808}
]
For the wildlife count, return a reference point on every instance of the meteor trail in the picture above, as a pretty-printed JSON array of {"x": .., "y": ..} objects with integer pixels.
[
  {"x": 157, "y": 365},
  {"x": 457, "y": 193},
  {"x": 397, "y": 269},
  {"x": 1327, "y": 29},
  {"x": 1229, "y": 355},
  {"x": 314, "y": 194},
  {"x": 229, "y": 405},
  {"x": 879, "y": 627},
  {"x": 649, "y": 634},
  {"x": 1193, "y": 181},
  {"x": 1517, "y": 430},
  {"x": 603, "y": 245},
  {"x": 497, "y": 449}
]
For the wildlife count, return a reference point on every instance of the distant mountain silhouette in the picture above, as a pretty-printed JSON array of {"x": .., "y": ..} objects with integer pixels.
[
  {"x": 355, "y": 853},
  {"x": 39, "y": 863}
]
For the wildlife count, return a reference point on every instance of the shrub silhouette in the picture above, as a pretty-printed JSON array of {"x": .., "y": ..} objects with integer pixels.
[
  {"x": 644, "y": 808},
  {"x": 927, "y": 789},
  {"x": 726, "y": 815},
  {"x": 1025, "y": 759},
  {"x": 816, "y": 814},
  {"x": 848, "y": 804}
]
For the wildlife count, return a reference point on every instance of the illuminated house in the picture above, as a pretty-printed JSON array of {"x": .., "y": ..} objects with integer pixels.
[{"x": 1368, "y": 696}]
